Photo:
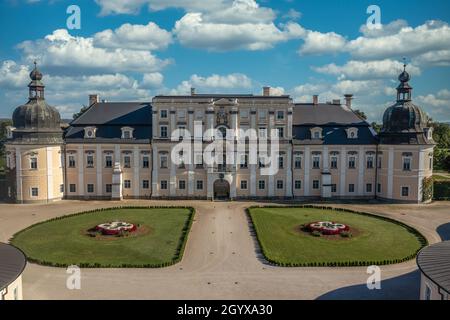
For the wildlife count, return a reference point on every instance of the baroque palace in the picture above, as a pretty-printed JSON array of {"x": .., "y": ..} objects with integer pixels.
[{"x": 119, "y": 150}]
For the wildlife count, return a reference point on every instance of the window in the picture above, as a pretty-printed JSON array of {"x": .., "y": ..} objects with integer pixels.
[
  {"x": 16, "y": 293},
  {"x": 108, "y": 162},
  {"x": 182, "y": 185},
  {"x": 316, "y": 184},
  {"x": 163, "y": 161},
  {"x": 280, "y": 184},
  {"x": 334, "y": 162},
  {"x": 127, "y": 133},
  {"x": 298, "y": 162},
  {"x": 280, "y": 132},
  {"x": 73, "y": 188},
  {"x": 127, "y": 184},
  {"x": 199, "y": 184},
  {"x": 145, "y": 184},
  {"x": 108, "y": 188},
  {"x": 90, "y": 188},
  {"x": 368, "y": 187},
  {"x": 199, "y": 115},
  {"x": 72, "y": 162},
  {"x": 370, "y": 162},
  {"x": 262, "y": 115},
  {"x": 405, "y": 191},
  {"x": 280, "y": 162},
  {"x": 262, "y": 184},
  {"x": 244, "y": 161},
  {"x": 427, "y": 292},
  {"x": 316, "y": 135},
  {"x": 407, "y": 164},
  {"x": 145, "y": 162},
  {"x": 262, "y": 162},
  {"x": 199, "y": 161},
  {"x": 351, "y": 188},
  {"x": 61, "y": 188},
  {"x": 352, "y": 133},
  {"x": 163, "y": 185},
  {"x": 244, "y": 185},
  {"x": 431, "y": 163},
  {"x": 127, "y": 162},
  {"x": 379, "y": 188},
  {"x": 333, "y": 188},
  {"x": 380, "y": 162},
  {"x": 262, "y": 132},
  {"x": 298, "y": 184},
  {"x": 33, "y": 163},
  {"x": 34, "y": 192},
  {"x": 316, "y": 162},
  {"x": 352, "y": 162},
  {"x": 89, "y": 161},
  {"x": 181, "y": 114},
  {"x": 163, "y": 114},
  {"x": 244, "y": 114},
  {"x": 280, "y": 115},
  {"x": 163, "y": 132}
]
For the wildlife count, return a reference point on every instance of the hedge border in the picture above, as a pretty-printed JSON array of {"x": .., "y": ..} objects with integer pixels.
[
  {"x": 423, "y": 241},
  {"x": 179, "y": 253}
]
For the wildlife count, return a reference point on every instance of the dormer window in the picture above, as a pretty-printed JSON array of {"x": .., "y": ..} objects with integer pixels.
[
  {"x": 316, "y": 133},
  {"x": 90, "y": 132},
  {"x": 352, "y": 133},
  {"x": 429, "y": 133},
  {"x": 127, "y": 133}
]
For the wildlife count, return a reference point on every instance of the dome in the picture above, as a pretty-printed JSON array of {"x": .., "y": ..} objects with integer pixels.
[
  {"x": 405, "y": 122},
  {"x": 36, "y": 121}
]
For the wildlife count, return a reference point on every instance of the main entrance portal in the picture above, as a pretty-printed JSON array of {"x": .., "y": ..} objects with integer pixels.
[{"x": 222, "y": 189}]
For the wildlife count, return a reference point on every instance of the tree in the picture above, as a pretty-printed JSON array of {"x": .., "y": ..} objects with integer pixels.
[
  {"x": 360, "y": 114},
  {"x": 3, "y": 125},
  {"x": 83, "y": 109},
  {"x": 377, "y": 127},
  {"x": 441, "y": 135}
]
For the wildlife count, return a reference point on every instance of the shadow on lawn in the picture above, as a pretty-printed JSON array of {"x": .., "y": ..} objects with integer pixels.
[
  {"x": 257, "y": 247},
  {"x": 404, "y": 287},
  {"x": 444, "y": 231}
]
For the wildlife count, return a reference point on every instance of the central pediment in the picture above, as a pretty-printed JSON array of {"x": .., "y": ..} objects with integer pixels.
[{"x": 225, "y": 102}]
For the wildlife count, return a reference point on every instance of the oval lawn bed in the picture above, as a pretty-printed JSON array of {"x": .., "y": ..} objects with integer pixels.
[
  {"x": 373, "y": 240},
  {"x": 158, "y": 241}
]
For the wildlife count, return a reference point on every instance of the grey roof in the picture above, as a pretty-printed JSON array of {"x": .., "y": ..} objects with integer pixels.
[
  {"x": 325, "y": 114},
  {"x": 12, "y": 264},
  {"x": 434, "y": 262},
  {"x": 115, "y": 113},
  {"x": 334, "y": 119},
  {"x": 109, "y": 118}
]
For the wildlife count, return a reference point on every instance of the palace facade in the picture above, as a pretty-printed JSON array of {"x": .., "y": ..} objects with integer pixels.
[{"x": 118, "y": 150}]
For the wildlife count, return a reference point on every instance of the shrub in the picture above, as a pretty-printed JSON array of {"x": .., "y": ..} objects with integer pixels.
[
  {"x": 316, "y": 233},
  {"x": 346, "y": 234}
]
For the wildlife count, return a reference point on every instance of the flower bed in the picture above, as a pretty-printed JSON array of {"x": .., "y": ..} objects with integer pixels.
[
  {"x": 115, "y": 228},
  {"x": 328, "y": 228}
]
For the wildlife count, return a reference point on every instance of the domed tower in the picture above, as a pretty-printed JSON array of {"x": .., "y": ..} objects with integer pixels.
[
  {"x": 34, "y": 149},
  {"x": 406, "y": 149}
]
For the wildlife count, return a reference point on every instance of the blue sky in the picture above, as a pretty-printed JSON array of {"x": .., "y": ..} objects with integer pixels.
[{"x": 136, "y": 49}]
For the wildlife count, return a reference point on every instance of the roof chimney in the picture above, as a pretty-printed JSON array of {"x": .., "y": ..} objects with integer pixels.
[
  {"x": 192, "y": 91},
  {"x": 348, "y": 100},
  {"x": 315, "y": 99},
  {"x": 266, "y": 91},
  {"x": 93, "y": 99}
]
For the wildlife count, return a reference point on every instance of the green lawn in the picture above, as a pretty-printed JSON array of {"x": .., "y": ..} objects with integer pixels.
[
  {"x": 375, "y": 240},
  {"x": 64, "y": 242}
]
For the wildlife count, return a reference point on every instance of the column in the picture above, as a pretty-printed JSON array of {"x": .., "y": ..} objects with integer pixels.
[
  {"x": 233, "y": 186},
  {"x": 19, "y": 197},
  {"x": 49, "y": 156},
  {"x": 80, "y": 171},
  {"x": 191, "y": 175},
  {"x": 136, "y": 166},
  {"x": 326, "y": 175},
  {"x": 155, "y": 165},
  {"x": 421, "y": 175},
  {"x": 343, "y": 167},
  {"x": 289, "y": 169},
  {"x": 253, "y": 165},
  {"x": 99, "y": 168},
  {"x": 209, "y": 122},
  {"x": 210, "y": 184},
  {"x": 289, "y": 123},
  {"x": 307, "y": 169},
  {"x": 390, "y": 186},
  {"x": 234, "y": 120},
  {"x": 173, "y": 178},
  {"x": 361, "y": 167}
]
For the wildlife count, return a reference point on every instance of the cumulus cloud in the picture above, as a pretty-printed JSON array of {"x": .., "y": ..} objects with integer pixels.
[
  {"x": 214, "y": 83},
  {"x": 139, "y": 37},
  {"x": 436, "y": 105},
  {"x": 13, "y": 75},
  {"x": 65, "y": 52},
  {"x": 319, "y": 43},
  {"x": 193, "y": 31},
  {"x": 367, "y": 69}
]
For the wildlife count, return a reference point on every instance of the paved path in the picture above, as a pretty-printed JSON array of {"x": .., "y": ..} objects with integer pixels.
[{"x": 222, "y": 260}]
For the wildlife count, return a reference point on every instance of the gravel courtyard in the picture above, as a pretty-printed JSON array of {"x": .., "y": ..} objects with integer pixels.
[{"x": 222, "y": 259}]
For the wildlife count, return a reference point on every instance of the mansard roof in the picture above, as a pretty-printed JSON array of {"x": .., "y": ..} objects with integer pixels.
[
  {"x": 334, "y": 119},
  {"x": 109, "y": 118}
]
